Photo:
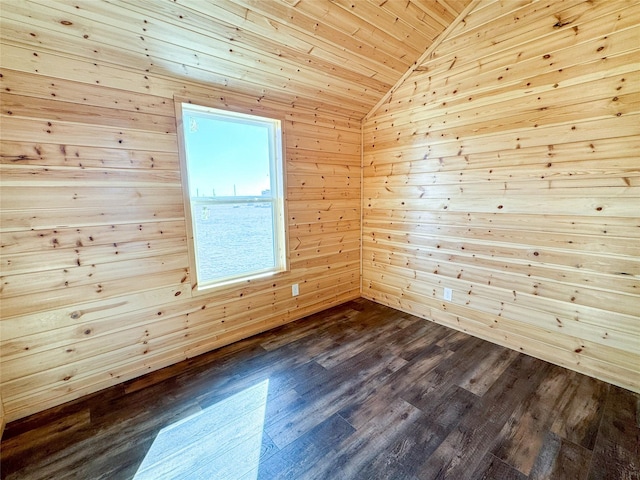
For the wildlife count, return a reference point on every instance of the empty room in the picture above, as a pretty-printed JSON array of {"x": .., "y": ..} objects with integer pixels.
[{"x": 320, "y": 239}]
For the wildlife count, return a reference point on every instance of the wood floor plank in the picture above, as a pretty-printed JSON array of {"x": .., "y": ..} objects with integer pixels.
[
  {"x": 328, "y": 396},
  {"x": 360, "y": 391},
  {"x": 446, "y": 373},
  {"x": 523, "y": 434},
  {"x": 350, "y": 458},
  {"x": 560, "y": 458},
  {"x": 480, "y": 378},
  {"x": 467, "y": 445},
  {"x": 36, "y": 445},
  {"x": 235, "y": 422},
  {"x": 359, "y": 411},
  {"x": 454, "y": 340},
  {"x": 280, "y": 381},
  {"x": 492, "y": 467},
  {"x": 314, "y": 323},
  {"x": 204, "y": 365},
  {"x": 226, "y": 378},
  {"x": 432, "y": 334},
  {"x": 352, "y": 346},
  {"x": 122, "y": 465},
  {"x": 579, "y": 420},
  {"x": 97, "y": 451},
  {"x": 617, "y": 450},
  {"x": 301, "y": 456},
  {"x": 433, "y": 428}
]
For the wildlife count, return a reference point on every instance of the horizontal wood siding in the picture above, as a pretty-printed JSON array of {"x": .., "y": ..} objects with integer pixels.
[
  {"x": 506, "y": 168},
  {"x": 95, "y": 277},
  {"x": 338, "y": 56},
  {"x": 2, "y": 417}
]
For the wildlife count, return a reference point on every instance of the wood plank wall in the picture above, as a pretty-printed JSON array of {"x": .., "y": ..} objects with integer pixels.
[
  {"x": 506, "y": 168},
  {"x": 95, "y": 279},
  {"x": 2, "y": 417}
]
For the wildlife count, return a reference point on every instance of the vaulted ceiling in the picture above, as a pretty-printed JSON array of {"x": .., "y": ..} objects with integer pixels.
[{"x": 335, "y": 55}]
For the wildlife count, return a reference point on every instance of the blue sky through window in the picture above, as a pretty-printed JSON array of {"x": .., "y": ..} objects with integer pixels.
[{"x": 224, "y": 154}]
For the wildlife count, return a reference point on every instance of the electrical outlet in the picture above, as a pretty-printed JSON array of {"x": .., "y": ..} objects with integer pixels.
[
  {"x": 295, "y": 291},
  {"x": 448, "y": 293}
]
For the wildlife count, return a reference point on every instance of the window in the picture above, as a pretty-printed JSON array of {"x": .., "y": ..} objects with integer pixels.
[{"x": 233, "y": 178}]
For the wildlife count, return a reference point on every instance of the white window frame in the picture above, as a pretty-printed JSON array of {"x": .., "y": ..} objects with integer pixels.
[{"x": 277, "y": 199}]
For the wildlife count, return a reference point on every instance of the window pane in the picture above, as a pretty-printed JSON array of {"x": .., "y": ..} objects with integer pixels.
[
  {"x": 233, "y": 239},
  {"x": 227, "y": 157},
  {"x": 234, "y": 175}
]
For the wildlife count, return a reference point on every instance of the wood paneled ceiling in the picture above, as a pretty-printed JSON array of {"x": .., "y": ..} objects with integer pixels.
[{"x": 341, "y": 56}]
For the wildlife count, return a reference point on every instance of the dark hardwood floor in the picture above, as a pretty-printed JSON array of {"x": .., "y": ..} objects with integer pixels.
[{"x": 360, "y": 391}]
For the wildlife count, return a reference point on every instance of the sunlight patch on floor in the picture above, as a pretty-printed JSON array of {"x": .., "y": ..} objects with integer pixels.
[{"x": 222, "y": 442}]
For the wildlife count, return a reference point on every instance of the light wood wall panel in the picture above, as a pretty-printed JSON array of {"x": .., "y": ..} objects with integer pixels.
[
  {"x": 336, "y": 56},
  {"x": 506, "y": 168},
  {"x": 95, "y": 277},
  {"x": 2, "y": 417}
]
